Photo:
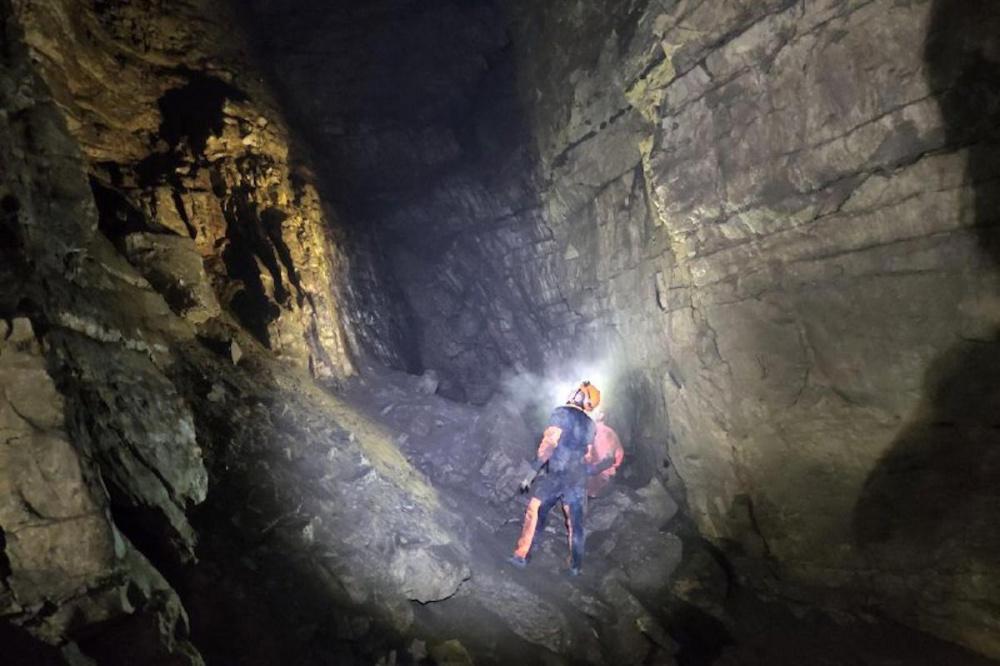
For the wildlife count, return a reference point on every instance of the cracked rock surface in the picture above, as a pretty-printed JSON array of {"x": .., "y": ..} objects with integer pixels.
[{"x": 807, "y": 278}]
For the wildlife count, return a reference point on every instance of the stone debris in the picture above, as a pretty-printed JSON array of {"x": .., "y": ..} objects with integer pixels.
[
  {"x": 235, "y": 352},
  {"x": 174, "y": 267},
  {"x": 428, "y": 383}
]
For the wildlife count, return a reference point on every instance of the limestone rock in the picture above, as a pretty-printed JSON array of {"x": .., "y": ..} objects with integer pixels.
[
  {"x": 64, "y": 555},
  {"x": 168, "y": 214},
  {"x": 604, "y": 513},
  {"x": 529, "y": 616},
  {"x": 776, "y": 297},
  {"x": 649, "y": 560},
  {"x": 235, "y": 352},
  {"x": 218, "y": 176},
  {"x": 635, "y": 628},
  {"x": 428, "y": 383},
  {"x": 57, "y": 538},
  {"x": 174, "y": 267},
  {"x": 655, "y": 502},
  {"x": 701, "y": 581},
  {"x": 427, "y": 576}
]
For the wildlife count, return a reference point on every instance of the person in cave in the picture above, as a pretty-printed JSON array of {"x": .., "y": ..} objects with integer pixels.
[
  {"x": 607, "y": 447},
  {"x": 563, "y": 449}
]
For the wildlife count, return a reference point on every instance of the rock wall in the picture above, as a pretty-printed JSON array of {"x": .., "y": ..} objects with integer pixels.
[
  {"x": 67, "y": 566},
  {"x": 423, "y": 142},
  {"x": 191, "y": 162},
  {"x": 783, "y": 213},
  {"x": 167, "y": 280}
]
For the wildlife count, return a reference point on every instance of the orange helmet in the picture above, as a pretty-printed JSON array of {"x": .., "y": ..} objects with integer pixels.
[{"x": 586, "y": 396}]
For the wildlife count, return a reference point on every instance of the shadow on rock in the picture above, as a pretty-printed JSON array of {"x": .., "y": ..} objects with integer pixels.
[
  {"x": 926, "y": 515},
  {"x": 939, "y": 481}
]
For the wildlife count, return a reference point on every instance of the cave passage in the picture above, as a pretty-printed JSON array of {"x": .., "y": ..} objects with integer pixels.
[{"x": 289, "y": 293}]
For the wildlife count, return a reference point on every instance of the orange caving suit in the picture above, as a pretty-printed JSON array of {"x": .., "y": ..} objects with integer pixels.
[
  {"x": 563, "y": 447},
  {"x": 606, "y": 446}
]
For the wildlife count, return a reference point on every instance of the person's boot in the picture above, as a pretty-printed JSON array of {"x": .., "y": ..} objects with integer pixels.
[{"x": 518, "y": 561}]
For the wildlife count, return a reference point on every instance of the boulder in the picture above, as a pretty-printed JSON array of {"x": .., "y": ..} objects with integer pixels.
[
  {"x": 428, "y": 574},
  {"x": 174, "y": 267}
]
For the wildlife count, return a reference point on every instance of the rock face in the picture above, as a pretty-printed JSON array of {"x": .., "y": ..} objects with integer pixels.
[
  {"x": 768, "y": 225},
  {"x": 158, "y": 288},
  {"x": 784, "y": 209},
  {"x": 174, "y": 267},
  {"x": 66, "y": 565},
  {"x": 413, "y": 108},
  {"x": 183, "y": 141}
]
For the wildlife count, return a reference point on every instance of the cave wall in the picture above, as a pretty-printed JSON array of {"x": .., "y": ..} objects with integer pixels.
[
  {"x": 422, "y": 143},
  {"x": 67, "y": 294},
  {"x": 782, "y": 212},
  {"x": 192, "y": 163},
  {"x": 170, "y": 286}
]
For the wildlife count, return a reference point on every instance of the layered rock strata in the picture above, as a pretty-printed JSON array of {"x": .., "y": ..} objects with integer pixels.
[
  {"x": 168, "y": 281},
  {"x": 767, "y": 226},
  {"x": 786, "y": 211},
  {"x": 422, "y": 139},
  {"x": 189, "y": 159}
]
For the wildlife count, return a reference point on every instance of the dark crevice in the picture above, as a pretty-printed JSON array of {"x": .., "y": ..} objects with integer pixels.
[
  {"x": 271, "y": 220},
  {"x": 159, "y": 168},
  {"x": 755, "y": 525},
  {"x": 245, "y": 227},
  {"x": 20, "y": 648},
  {"x": 178, "y": 200},
  {"x": 244, "y": 243},
  {"x": 13, "y": 264},
  {"x": 5, "y": 570},
  {"x": 9, "y": 204},
  {"x": 701, "y": 637},
  {"x": 146, "y": 528},
  {"x": 190, "y": 114},
  {"x": 398, "y": 332},
  {"x": 116, "y": 215}
]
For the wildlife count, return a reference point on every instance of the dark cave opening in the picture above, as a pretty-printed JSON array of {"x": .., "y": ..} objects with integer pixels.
[
  {"x": 425, "y": 104},
  {"x": 116, "y": 215}
]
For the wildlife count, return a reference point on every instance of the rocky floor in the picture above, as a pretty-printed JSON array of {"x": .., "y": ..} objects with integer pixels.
[
  {"x": 370, "y": 523},
  {"x": 652, "y": 592}
]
